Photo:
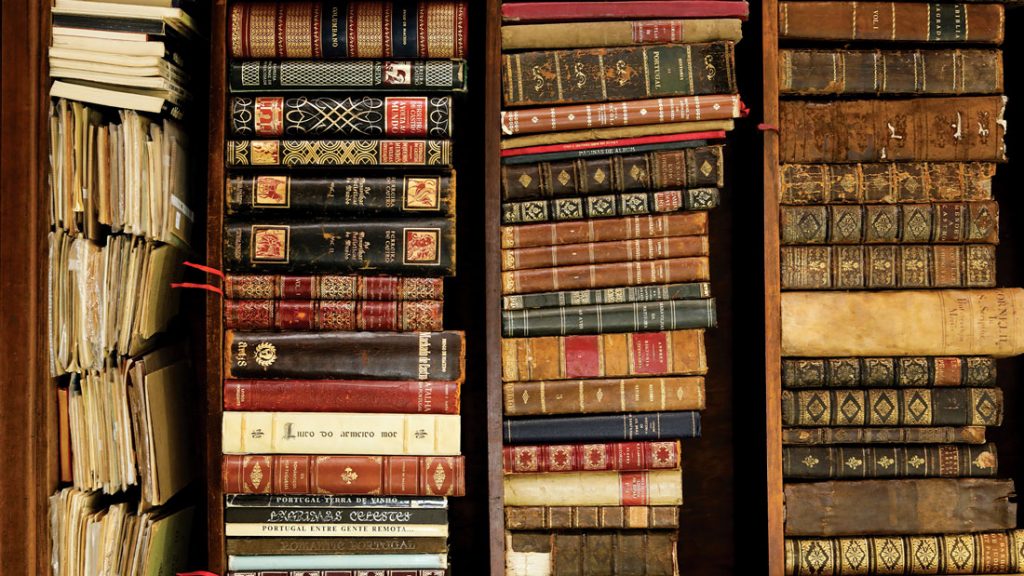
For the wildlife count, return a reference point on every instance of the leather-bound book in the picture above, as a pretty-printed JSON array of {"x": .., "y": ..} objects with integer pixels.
[
  {"x": 939, "y": 223},
  {"x": 683, "y": 291},
  {"x": 363, "y": 560},
  {"x": 271, "y": 546},
  {"x": 921, "y": 461},
  {"x": 363, "y": 315},
  {"x": 614, "y": 147},
  {"x": 890, "y": 72},
  {"x": 626, "y": 456},
  {"x": 618, "y": 33},
  {"x": 640, "y": 249},
  {"x": 357, "y": 355},
  {"x": 387, "y": 396},
  {"x": 341, "y": 116},
  {"x": 666, "y": 271},
  {"x": 627, "y": 427},
  {"x": 646, "y": 552},
  {"x": 899, "y": 507},
  {"x": 331, "y": 287},
  {"x": 946, "y": 129},
  {"x": 296, "y": 153},
  {"x": 606, "y": 74},
  {"x": 576, "y": 10},
  {"x": 885, "y": 183},
  {"x": 608, "y": 205},
  {"x": 892, "y": 21},
  {"x": 588, "y": 135},
  {"x": 644, "y": 488},
  {"x": 607, "y": 318},
  {"x": 855, "y": 435},
  {"x": 591, "y": 517},
  {"x": 893, "y": 407},
  {"x": 954, "y": 553},
  {"x": 889, "y": 372},
  {"x": 260, "y": 76},
  {"x": 610, "y": 230},
  {"x": 906, "y": 323},
  {"x": 611, "y": 395},
  {"x": 673, "y": 353},
  {"x": 424, "y": 246}
]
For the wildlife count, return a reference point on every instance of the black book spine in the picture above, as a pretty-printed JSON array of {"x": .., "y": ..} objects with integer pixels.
[
  {"x": 344, "y": 117},
  {"x": 608, "y": 318},
  {"x": 302, "y": 153},
  {"x": 608, "y": 206},
  {"x": 347, "y": 75},
  {"x": 596, "y": 152},
  {"x": 274, "y": 515},
  {"x": 857, "y": 462},
  {"x": 603, "y": 428},
  {"x": 889, "y": 372}
]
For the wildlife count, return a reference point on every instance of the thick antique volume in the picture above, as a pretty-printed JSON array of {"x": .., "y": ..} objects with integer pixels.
[
  {"x": 592, "y": 396},
  {"x": 606, "y": 74},
  {"x": 255, "y": 76},
  {"x": 355, "y": 194},
  {"x": 684, "y": 291},
  {"x": 888, "y": 266},
  {"x": 374, "y": 475},
  {"x": 604, "y": 252},
  {"x": 606, "y": 318},
  {"x": 926, "y": 129},
  {"x": 625, "y": 427},
  {"x": 369, "y": 116},
  {"x": 678, "y": 352},
  {"x": 624, "y": 456},
  {"x": 339, "y": 153},
  {"x": 340, "y": 433},
  {"x": 571, "y": 11},
  {"x": 892, "y": 21},
  {"x": 984, "y": 553},
  {"x": 644, "y": 488},
  {"x": 629, "y": 113},
  {"x": 893, "y": 507},
  {"x": 368, "y": 315},
  {"x": 917, "y": 435},
  {"x": 628, "y": 228},
  {"x": 618, "y": 33},
  {"x": 604, "y": 553},
  {"x": 358, "y": 355},
  {"x": 905, "y": 372},
  {"x": 854, "y": 462},
  {"x": 395, "y": 396},
  {"x": 636, "y": 172},
  {"x": 944, "y": 222},
  {"x": 893, "y": 407},
  {"x": 609, "y": 205},
  {"x": 424, "y": 246},
  {"x": 327, "y": 287},
  {"x": 590, "y": 517},
  {"x": 942, "y": 322},
  {"x": 351, "y": 29},
  {"x": 884, "y": 183},
  {"x": 890, "y": 72},
  {"x": 268, "y": 546},
  {"x": 667, "y": 271}
]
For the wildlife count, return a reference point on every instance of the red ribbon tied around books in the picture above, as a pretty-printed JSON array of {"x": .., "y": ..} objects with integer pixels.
[{"x": 209, "y": 288}]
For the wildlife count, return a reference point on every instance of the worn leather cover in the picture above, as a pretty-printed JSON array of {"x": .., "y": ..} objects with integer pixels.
[
  {"x": 922, "y": 461},
  {"x": 666, "y": 271},
  {"x": 386, "y": 396},
  {"x": 889, "y": 372},
  {"x": 590, "y": 517},
  {"x": 595, "y": 396},
  {"x": 636, "y": 250},
  {"x": 618, "y": 33},
  {"x": 892, "y": 21},
  {"x": 331, "y": 287},
  {"x": 610, "y": 230},
  {"x": 933, "y": 223},
  {"x": 634, "y": 553},
  {"x": 341, "y": 116},
  {"x": 684, "y": 291},
  {"x": 628, "y": 456},
  {"x": 292, "y": 153},
  {"x": 855, "y": 435},
  {"x": 368, "y": 315},
  {"x": 641, "y": 488},
  {"x": 885, "y": 183},
  {"x": 608, "y": 205},
  {"x": 893, "y": 407},
  {"x": 629, "y": 426},
  {"x": 255, "y": 76}
]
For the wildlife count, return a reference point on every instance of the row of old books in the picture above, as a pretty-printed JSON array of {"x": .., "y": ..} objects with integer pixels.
[
  {"x": 120, "y": 226},
  {"x": 888, "y": 147},
  {"x": 613, "y": 119},
  {"x": 341, "y": 427}
]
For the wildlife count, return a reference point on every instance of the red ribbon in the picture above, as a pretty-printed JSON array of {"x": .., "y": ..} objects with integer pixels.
[
  {"x": 768, "y": 127},
  {"x": 206, "y": 269}
]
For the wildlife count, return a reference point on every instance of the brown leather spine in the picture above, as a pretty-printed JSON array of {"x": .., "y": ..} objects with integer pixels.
[
  {"x": 892, "y": 21},
  {"x": 637, "y": 273},
  {"x": 895, "y": 182},
  {"x": 329, "y": 287},
  {"x": 590, "y": 517},
  {"x": 604, "y": 252},
  {"x": 919, "y": 435},
  {"x": 595, "y": 396},
  {"x": 647, "y": 553},
  {"x": 374, "y": 316},
  {"x": 612, "y": 229}
]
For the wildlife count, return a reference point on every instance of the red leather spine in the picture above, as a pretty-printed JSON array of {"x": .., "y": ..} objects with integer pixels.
[
  {"x": 636, "y": 10},
  {"x": 623, "y": 456},
  {"x": 331, "y": 287},
  {"x": 377, "y": 396},
  {"x": 389, "y": 316}
]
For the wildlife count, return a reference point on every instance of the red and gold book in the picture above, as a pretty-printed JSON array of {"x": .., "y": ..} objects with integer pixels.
[
  {"x": 365, "y": 315},
  {"x": 373, "y": 475},
  {"x": 331, "y": 287},
  {"x": 375, "y": 396},
  {"x": 624, "y": 456}
]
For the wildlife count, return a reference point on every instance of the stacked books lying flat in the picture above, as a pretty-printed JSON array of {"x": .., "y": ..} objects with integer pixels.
[
  {"x": 884, "y": 438},
  {"x": 341, "y": 427},
  {"x": 612, "y": 157}
]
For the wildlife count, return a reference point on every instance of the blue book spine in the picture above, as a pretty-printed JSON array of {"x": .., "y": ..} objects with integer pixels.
[{"x": 603, "y": 428}]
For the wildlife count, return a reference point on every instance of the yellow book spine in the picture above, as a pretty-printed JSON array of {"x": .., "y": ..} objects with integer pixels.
[
  {"x": 622, "y": 33},
  {"x": 648, "y": 488}
]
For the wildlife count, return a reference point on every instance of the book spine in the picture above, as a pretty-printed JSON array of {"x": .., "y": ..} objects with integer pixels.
[
  {"x": 878, "y": 267},
  {"x": 404, "y": 194},
  {"x": 687, "y": 291},
  {"x": 646, "y": 488},
  {"x": 856, "y": 462},
  {"x": 893, "y": 407},
  {"x": 615, "y": 114},
  {"x": 620, "y": 33},
  {"x": 617, "y": 132},
  {"x": 638, "y": 273},
  {"x": 626, "y": 427},
  {"x": 628, "y": 228},
  {"x": 321, "y": 501},
  {"x": 232, "y": 529},
  {"x": 344, "y": 564},
  {"x": 323, "y": 546},
  {"x": 598, "y": 147},
  {"x": 622, "y": 456},
  {"x": 327, "y": 287},
  {"x": 673, "y": 353},
  {"x": 938, "y": 223},
  {"x": 676, "y": 168},
  {"x": 388, "y": 475},
  {"x": 898, "y": 507},
  {"x": 585, "y": 153},
  {"x": 919, "y": 435},
  {"x": 984, "y": 553},
  {"x": 374, "y": 316},
  {"x": 604, "y": 252},
  {"x": 595, "y": 396},
  {"x": 905, "y": 372},
  {"x": 607, "y": 318},
  {"x": 290, "y": 153},
  {"x": 285, "y": 30},
  {"x": 513, "y": 12},
  {"x": 591, "y": 517},
  {"x": 335, "y": 515},
  {"x": 346, "y": 75},
  {"x": 882, "y": 183},
  {"x": 425, "y": 246},
  {"x": 944, "y": 323},
  {"x": 893, "y": 130},
  {"x": 608, "y": 206},
  {"x": 340, "y": 433},
  {"x": 941, "y": 72},
  {"x": 368, "y": 116},
  {"x": 609, "y": 74},
  {"x": 596, "y": 553},
  {"x": 399, "y": 397},
  {"x": 345, "y": 355},
  {"x": 892, "y": 22}
]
